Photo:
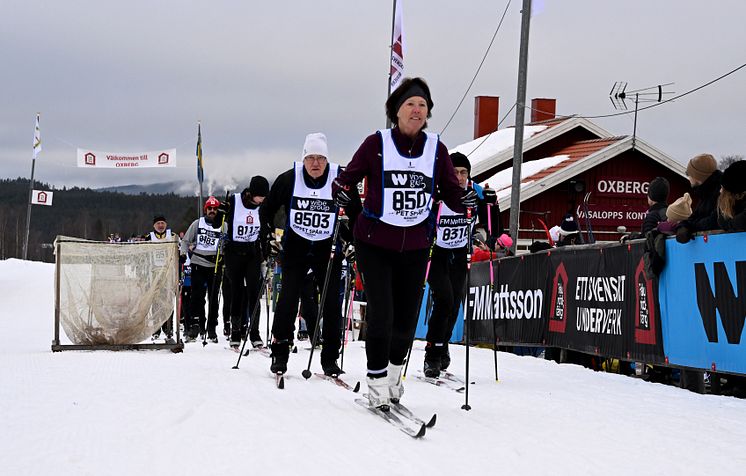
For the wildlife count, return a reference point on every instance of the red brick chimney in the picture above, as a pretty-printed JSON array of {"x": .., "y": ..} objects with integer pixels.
[
  {"x": 486, "y": 110},
  {"x": 543, "y": 109}
]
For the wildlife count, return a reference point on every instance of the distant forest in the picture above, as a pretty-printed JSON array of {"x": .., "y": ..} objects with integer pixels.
[{"x": 82, "y": 213}]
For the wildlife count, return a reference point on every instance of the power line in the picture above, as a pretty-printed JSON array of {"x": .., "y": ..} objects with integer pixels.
[
  {"x": 601, "y": 116},
  {"x": 498, "y": 125},
  {"x": 478, "y": 69}
]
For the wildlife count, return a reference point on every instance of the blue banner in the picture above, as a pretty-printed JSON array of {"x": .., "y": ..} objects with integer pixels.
[
  {"x": 703, "y": 302},
  {"x": 425, "y": 308}
]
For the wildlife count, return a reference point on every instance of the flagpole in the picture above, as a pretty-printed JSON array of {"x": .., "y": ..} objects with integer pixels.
[
  {"x": 200, "y": 171},
  {"x": 31, "y": 188},
  {"x": 391, "y": 52}
]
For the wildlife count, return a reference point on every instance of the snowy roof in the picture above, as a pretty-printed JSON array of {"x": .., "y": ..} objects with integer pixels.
[
  {"x": 484, "y": 148},
  {"x": 539, "y": 175},
  {"x": 502, "y": 181}
]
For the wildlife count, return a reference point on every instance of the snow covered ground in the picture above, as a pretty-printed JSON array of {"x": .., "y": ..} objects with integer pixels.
[{"x": 154, "y": 412}]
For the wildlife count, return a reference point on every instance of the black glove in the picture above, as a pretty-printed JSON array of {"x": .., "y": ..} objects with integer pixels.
[
  {"x": 490, "y": 196},
  {"x": 469, "y": 198},
  {"x": 342, "y": 198},
  {"x": 224, "y": 207},
  {"x": 683, "y": 235},
  {"x": 274, "y": 248},
  {"x": 350, "y": 253}
]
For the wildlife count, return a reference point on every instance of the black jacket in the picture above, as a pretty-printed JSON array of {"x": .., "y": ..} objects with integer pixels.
[
  {"x": 280, "y": 195},
  {"x": 738, "y": 222},
  {"x": 655, "y": 215},
  {"x": 704, "y": 216}
]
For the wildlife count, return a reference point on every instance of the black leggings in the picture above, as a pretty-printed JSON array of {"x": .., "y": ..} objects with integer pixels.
[
  {"x": 294, "y": 273},
  {"x": 244, "y": 274},
  {"x": 393, "y": 284},
  {"x": 447, "y": 279}
]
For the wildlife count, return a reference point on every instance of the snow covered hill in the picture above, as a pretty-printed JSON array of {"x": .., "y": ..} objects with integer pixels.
[{"x": 154, "y": 412}]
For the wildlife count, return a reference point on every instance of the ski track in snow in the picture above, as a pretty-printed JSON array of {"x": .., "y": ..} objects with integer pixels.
[{"x": 154, "y": 412}]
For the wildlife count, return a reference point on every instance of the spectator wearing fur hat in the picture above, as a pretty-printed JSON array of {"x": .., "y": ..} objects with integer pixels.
[
  {"x": 569, "y": 232},
  {"x": 657, "y": 202},
  {"x": 704, "y": 178},
  {"x": 732, "y": 200}
]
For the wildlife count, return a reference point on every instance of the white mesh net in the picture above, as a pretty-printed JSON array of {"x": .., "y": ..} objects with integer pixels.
[{"x": 115, "y": 293}]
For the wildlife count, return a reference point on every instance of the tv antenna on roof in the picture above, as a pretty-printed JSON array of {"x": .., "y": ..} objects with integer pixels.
[{"x": 619, "y": 95}]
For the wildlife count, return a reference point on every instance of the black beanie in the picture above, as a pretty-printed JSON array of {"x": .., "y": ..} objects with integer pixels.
[
  {"x": 259, "y": 187},
  {"x": 658, "y": 190},
  {"x": 158, "y": 218},
  {"x": 734, "y": 177},
  {"x": 460, "y": 160},
  {"x": 409, "y": 87}
]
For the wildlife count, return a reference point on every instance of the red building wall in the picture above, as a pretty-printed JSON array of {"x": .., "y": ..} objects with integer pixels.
[{"x": 618, "y": 197}]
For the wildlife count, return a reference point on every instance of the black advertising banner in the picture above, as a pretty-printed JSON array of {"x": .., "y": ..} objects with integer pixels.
[
  {"x": 516, "y": 305},
  {"x": 602, "y": 301}
]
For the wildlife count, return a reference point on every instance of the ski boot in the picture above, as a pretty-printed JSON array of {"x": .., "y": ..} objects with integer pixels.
[
  {"x": 378, "y": 391},
  {"x": 331, "y": 368},
  {"x": 433, "y": 354},
  {"x": 445, "y": 358},
  {"x": 280, "y": 356},
  {"x": 396, "y": 388}
]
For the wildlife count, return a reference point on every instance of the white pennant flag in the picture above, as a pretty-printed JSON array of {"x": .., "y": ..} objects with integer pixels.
[
  {"x": 37, "y": 138},
  {"x": 397, "y": 50}
]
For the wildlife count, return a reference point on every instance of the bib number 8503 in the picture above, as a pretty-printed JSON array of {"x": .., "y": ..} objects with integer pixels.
[
  {"x": 408, "y": 199},
  {"x": 311, "y": 219}
]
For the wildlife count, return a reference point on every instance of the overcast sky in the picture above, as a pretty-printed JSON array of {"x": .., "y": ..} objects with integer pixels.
[{"x": 138, "y": 75}]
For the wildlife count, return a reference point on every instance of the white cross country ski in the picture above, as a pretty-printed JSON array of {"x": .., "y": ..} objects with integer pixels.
[
  {"x": 454, "y": 384},
  {"x": 340, "y": 382},
  {"x": 417, "y": 432},
  {"x": 405, "y": 412}
]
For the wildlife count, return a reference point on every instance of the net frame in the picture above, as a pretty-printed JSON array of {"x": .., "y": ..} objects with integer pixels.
[{"x": 170, "y": 249}]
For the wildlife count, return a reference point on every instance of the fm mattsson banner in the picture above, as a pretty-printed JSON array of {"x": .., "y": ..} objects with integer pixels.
[{"x": 117, "y": 160}]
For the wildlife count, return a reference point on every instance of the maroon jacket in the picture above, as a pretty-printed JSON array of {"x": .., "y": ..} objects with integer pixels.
[{"x": 367, "y": 163}]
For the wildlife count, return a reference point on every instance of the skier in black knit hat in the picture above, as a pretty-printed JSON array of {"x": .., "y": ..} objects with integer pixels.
[{"x": 243, "y": 259}]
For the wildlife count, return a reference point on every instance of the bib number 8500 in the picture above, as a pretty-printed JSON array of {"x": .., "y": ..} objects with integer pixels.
[
  {"x": 311, "y": 219},
  {"x": 408, "y": 199}
]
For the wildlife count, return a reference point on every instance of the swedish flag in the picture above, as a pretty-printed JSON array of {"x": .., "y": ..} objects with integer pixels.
[{"x": 200, "y": 170}]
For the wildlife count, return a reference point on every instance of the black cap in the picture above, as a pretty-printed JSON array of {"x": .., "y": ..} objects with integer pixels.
[
  {"x": 734, "y": 177},
  {"x": 259, "y": 186},
  {"x": 658, "y": 190},
  {"x": 460, "y": 160},
  {"x": 408, "y": 88},
  {"x": 158, "y": 218}
]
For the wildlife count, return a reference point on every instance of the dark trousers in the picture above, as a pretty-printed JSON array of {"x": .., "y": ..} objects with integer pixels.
[
  {"x": 294, "y": 271},
  {"x": 447, "y": 279},
  {"x": 225, "y": 289},
  {"x": 393, "y": 284},
  {"x": 202, "y": 284},
  {"x": 309, "y": 303},
  {"x": 244, "y": 274}
]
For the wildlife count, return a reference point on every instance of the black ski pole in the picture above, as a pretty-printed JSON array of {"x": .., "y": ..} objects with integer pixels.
[
  {"x": 424, "y": 285},
  {"x": 268, "y": 290},
  {"x": 346, "y": 317},
  {"x": 340, "y": 212},
  {"x": 492, "y": 290},
  {"x": 467, "y": 321},
  {"x": 262, "y": 288},
  {"x": 588, "y": 227}
]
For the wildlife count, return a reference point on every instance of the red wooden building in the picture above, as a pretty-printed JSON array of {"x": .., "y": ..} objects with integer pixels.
[{"x": 563, "y": 160}]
